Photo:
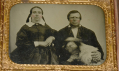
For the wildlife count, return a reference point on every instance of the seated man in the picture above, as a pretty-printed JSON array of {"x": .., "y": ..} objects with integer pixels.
[{"x": 72, "y": 39}]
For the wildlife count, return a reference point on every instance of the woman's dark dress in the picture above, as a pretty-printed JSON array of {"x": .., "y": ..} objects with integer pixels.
[{"x": 26, "y": 52}]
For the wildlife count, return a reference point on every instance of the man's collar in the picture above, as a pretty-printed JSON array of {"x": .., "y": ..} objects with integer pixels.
[{"x": 70, "y": 25}]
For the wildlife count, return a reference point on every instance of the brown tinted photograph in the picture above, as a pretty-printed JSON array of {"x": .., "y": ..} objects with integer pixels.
[{"x": 57, "y": 34}]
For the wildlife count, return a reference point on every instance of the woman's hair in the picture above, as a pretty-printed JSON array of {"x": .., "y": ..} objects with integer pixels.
[
  {"x": 74, "y": 11},
  {"x": 27, "y": 20}
]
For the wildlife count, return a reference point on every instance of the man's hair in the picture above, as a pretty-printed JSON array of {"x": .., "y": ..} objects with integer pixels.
[
  {"x": 74, "y": 11},
  {"x": 27, "y": 20}
]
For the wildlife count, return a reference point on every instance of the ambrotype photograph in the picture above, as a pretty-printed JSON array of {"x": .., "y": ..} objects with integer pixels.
[{"x": 57, "y": 34}]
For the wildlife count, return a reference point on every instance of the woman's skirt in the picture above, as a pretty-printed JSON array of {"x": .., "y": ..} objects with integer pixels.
[{"x": 38, "y": 55}]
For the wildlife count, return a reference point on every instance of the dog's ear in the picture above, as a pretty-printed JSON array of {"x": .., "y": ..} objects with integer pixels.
[
  {"x": 64, "y": 44},
  {"x": 78, "y": 43}
]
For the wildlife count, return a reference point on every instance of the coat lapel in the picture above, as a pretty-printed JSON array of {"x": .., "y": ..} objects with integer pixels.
[
  {"x": 69, "y": 32},
  {"x": 79, "y": 33}
]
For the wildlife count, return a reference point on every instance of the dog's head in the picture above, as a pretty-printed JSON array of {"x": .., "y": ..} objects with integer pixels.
[{"x": 71, "y": 47}]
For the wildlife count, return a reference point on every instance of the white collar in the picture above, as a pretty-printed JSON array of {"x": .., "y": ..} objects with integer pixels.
[
  {"x": 42, "y": 22},
  {"x": 79, "y": 25}
]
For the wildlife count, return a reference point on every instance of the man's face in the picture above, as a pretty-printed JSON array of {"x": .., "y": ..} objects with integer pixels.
[
  {"x": 74, "y": 19},
  {"x": 36, "y": 15}
]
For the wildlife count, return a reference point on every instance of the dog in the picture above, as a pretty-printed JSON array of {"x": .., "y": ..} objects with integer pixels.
[{"x": 81, "y": 52}]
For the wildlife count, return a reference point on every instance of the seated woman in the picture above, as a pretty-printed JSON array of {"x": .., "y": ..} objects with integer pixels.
[{"x": 35, "y": 41}]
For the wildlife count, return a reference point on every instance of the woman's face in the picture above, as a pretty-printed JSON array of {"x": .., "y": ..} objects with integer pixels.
[{"x": 36, "y": 15}]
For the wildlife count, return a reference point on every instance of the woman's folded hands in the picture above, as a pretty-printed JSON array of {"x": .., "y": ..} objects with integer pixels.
[{"x": 45, "y": 43}]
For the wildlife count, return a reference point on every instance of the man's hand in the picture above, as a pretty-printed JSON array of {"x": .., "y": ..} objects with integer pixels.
[{"x": 96, "y": 56}]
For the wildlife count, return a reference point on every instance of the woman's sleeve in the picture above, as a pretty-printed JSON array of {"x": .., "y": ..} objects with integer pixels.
[{"x": 23, "y": 40}]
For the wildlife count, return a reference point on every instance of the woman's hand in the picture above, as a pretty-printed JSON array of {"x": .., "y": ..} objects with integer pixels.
[
  {"x": 40, "y": 43},
  {"x": 49, "y": 40},
  {"x": 45, "y": 43}
]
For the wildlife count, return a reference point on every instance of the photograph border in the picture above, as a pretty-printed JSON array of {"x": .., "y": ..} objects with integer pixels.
[
  {"x": 107, "y": 6},
  {"x": 117, "y": 27}
]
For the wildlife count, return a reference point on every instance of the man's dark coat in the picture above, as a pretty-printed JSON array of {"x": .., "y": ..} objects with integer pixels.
[{"x": 86, "y": 35}]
